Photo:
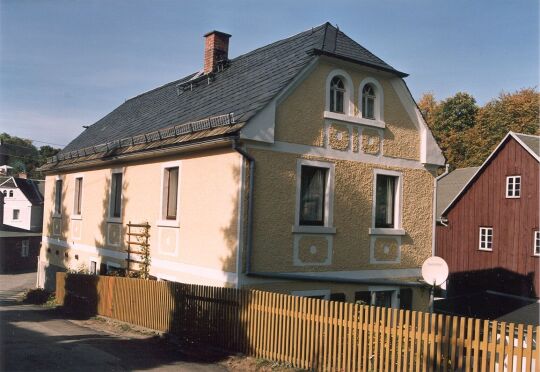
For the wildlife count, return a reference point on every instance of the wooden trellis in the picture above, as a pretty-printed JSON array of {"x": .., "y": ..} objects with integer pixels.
[{"x": 138, "y": 250}]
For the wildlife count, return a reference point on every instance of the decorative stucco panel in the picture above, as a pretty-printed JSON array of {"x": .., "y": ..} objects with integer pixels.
[{"x": 339, "y": 137}]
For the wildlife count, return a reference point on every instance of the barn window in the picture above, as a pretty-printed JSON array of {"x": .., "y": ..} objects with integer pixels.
[
  {"x": 513, "y": 187},
  {"x": 537, "y": 243},
  {"x": 486, "y": 239}
]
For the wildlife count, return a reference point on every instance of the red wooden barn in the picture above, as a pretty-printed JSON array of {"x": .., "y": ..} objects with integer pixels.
[{"x": 487, "y": 228}]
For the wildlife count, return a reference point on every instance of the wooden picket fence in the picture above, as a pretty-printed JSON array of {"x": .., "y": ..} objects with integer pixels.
[{"x": 307, "y": 333}]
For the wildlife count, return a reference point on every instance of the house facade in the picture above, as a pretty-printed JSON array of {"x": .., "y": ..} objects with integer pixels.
[
  {"x": 23, "y": 206},
  {"x": 19, "y": 248},
  {"x": 302, "y": 167},
  {"x": 488, "y": 231}
]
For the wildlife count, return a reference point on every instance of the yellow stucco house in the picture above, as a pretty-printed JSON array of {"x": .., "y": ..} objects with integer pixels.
[{"x": 301, "y": 167}]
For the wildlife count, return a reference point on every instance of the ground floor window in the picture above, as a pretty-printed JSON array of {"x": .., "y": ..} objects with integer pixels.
[
  {"x": 93, "y": 267},
  {"x": 25, "y": 248},
  {"x": 382, "y": 297}
]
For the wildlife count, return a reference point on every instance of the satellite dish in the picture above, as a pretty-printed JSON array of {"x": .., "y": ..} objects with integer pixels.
[{"x": 435, "y": 270}]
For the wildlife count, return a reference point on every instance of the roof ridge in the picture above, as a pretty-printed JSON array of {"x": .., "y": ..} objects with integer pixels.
[
  {"x": 279, "y": 42},
  {"x": 525, "y": 134}
]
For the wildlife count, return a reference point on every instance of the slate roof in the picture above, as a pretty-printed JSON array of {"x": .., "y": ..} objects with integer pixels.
[
  {"x": 244, "y": 87},
  {"x": 531, "y": 142},
  {"x": 449, "y": 186},
  {"x": 29, "y": 188}
]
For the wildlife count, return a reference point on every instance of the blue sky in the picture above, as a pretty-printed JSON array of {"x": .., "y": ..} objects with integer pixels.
[{"x": 64, "y": 64}]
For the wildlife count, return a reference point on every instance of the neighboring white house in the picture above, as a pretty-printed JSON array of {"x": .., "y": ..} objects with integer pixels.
[{"x": 23, "y": 203}]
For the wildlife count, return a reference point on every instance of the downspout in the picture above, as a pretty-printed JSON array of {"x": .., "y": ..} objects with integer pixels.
[
  {"x": 435, "y": 217},
  {"x": 249, "y": 238}
]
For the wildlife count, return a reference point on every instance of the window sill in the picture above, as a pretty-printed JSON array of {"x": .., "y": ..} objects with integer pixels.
[
  {"x": 354, "y": 119},
  {"x": 313, "y": 229},
  {"x": 114, "y": 219},
  {"x": 385, "y": 231},
  {"x": 513, "y": 197},
  {"x": 485, "y": 250},
  {"x": 168, "y": 223},
  {"x": 56, "y": 215},
  {"x": 76, "y": 217}
]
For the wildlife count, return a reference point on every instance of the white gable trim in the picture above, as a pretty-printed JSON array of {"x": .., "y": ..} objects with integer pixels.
[{"x": 430, "y": 153}]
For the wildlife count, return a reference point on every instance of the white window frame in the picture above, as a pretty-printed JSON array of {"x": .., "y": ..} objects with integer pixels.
[
  {"x": 311, "y": 293},
  {"x": 395, "y": 294},
  {"x": 76, "y": 216},
  {"x": 536, "y": 243},
  {"x": 327, "y": 228},
  {"x": 18, "y": 214},
  {"x": 481, "y": 231},
  {"x": 511, "y": 192},
  {"x": 378, "y": 109},
  {"x": 398, "y": 204},
  {"x": 163, "y": 221},
  {"x": 55, "y": 206},
  {"x": 25, "y": 247},
  {"x": 109, "y": 217},
  {"x": 347, "y": 95},
  {"x": 98, "y": 264}
]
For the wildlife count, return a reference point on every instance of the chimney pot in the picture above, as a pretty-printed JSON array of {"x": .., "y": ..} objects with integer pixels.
[{"x": 216, "y": 49}]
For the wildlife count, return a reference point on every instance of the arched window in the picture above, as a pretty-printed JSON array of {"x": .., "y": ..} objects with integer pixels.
[
  {"x": 4, "y": 192},
  {"x": 10, "y": 193},
  {"x": 337, "y": 95},
  {"x": 368, "y": 102}
]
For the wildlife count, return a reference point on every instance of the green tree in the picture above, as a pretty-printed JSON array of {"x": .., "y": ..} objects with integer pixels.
[
  {"x": 451, "y": 120},
  {"x": 22, "y": 155},
  {"x": 517, "y": 112}
]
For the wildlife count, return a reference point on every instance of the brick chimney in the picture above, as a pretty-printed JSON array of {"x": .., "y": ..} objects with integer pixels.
[{"x": 216, "y": 49}]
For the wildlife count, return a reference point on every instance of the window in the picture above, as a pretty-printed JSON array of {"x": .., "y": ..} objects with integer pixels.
[
  {"x": 385, "y": 201},
  {"x": 78, "y": 195},
  {"x": 379, "y": 297},
  {"x": 10, "y": 193},
  {"x": 16, "y": 214},
  {"x": 58, "y": 197},
  {"x": 93, "y": 267},
  {"x": 537, "y": 243},
  {"x": 25, "y": 247},
  {"x": 171, "y": 193},
  {"x": 513, "y": 186},
  {"x": 312, "y": 195},
  {"x": 486, "y": 239},
  {"x": 368, "y": 102},
  {"x": 321, "y": 294},
  {"x": 5, "y": 193},
  {"x": 116, "y": 195},
  {"x": 337, "y": 95}
]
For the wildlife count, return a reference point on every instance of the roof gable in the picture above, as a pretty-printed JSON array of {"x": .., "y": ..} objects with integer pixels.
[
  {"x": 511, "y": 135},
  {"x": 244, "y": 88},
  {"x": 29, "y": 188}
]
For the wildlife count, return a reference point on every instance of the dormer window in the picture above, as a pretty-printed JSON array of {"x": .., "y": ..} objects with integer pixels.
[
  {"x": 368, "y": 102},
  {"x": 337, "y": 95}
]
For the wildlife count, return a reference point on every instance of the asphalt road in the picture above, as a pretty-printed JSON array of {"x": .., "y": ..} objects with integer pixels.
[{"x": 35, "y": 338}]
